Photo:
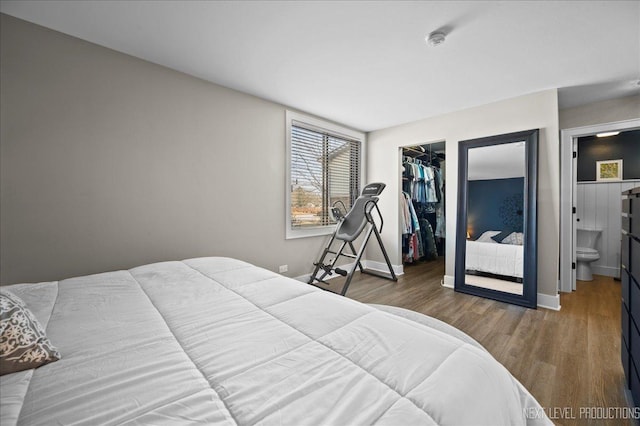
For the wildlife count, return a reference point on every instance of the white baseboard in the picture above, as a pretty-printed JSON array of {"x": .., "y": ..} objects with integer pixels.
[
  {"x": 448, "y": 281},
  {"x": 304, "y": 278},
  {"x": 607, "y": 271},
  {"x": 549, "y": 302},
  {"x": 382, "y": 267}
]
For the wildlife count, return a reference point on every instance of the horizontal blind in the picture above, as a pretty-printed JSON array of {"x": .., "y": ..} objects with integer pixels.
[{"x": 325, "y": 168}]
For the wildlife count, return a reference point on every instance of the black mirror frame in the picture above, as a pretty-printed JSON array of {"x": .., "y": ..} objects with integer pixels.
[{"x": 529, "y": 298}]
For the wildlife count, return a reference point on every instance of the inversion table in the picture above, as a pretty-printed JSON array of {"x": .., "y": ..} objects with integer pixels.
[{"x": 348, "y": 229}]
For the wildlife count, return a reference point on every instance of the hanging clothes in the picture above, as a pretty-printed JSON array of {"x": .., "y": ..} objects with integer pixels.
[
  {"x": 407, "y": 177},
  {"x": 430, "y": 185},
  {"x": 440, "y": 228},
  {"x": 405, "y": 217},
  {"x": 410, "y": 228},
  {"x": 409, "y": 217},
  {"x": 429, "y": 243},
  {"x": 422, "y": 208},
  {"x": 437, "y": 175}
]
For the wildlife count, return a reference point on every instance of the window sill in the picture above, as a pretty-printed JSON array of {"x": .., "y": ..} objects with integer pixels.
[{"x": 309, "y": 232}]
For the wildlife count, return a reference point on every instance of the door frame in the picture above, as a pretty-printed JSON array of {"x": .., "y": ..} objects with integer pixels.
[{"x": 566, "y": 282}]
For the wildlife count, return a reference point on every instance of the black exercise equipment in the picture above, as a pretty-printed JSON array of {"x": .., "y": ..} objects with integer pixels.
[{"x": 349, "y": 228}]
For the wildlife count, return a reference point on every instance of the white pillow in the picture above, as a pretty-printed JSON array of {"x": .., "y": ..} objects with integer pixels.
[
  {"x": 515, "y": 238},
  {"x": 486, "y": 237}
]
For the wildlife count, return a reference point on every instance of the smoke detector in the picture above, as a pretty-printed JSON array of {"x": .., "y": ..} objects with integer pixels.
[{"x": 435, "y": 38}]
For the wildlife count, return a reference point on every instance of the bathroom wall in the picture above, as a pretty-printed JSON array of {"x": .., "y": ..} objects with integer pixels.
[
  {"x": 598, "y": 206},
  {"x": 623, "y": 146}
]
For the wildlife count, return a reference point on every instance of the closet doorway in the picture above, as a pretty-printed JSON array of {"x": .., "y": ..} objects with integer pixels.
[{"x": 422, "y": 205}]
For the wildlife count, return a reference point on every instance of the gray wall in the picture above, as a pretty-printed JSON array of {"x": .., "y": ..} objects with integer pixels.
[{"x": 109, "y": 162}]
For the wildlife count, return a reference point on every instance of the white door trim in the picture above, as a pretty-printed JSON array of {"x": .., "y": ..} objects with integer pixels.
[
  {"x": 574, "y": 220},
  {"x": 567, "y": 136}
]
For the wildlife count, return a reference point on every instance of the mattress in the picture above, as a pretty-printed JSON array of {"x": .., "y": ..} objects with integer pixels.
[
  {"x": 220, "y": 341},
  {"x": 495, "y": 258}
]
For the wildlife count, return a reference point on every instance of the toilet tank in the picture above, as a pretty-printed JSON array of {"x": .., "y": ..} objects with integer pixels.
[{"x": 587, "y": 237}]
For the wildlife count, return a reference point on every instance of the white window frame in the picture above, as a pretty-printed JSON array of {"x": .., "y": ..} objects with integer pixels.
[{"x": 324, "y": 126}]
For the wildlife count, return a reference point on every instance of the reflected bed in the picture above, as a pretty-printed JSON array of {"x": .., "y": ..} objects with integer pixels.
[{"x": 503, "y": 260}]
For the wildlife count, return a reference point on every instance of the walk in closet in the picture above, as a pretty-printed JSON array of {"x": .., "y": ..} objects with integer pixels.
[{"x": 422, "y": 203}]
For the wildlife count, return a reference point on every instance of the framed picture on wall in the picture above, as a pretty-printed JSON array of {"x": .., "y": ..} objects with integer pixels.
[{"x": 608, "y": 170}]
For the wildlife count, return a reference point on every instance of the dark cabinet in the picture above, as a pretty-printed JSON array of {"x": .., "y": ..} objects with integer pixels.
[{"x": 630, "y": 280}]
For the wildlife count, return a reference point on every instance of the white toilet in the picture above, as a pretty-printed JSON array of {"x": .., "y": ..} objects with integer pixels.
[{"x": 586, "y": 252}]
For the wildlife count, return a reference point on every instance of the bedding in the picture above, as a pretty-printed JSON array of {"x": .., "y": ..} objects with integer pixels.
[
  {"x": 516, "y": 238},
  {"x": 487, "y": 236},
  {"x": 220, "y": 341},
  {"x": 495, "y": 258}
]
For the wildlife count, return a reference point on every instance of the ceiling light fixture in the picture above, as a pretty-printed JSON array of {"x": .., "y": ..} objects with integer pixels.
[
  {"x": 605, "y": 134},
  {"x": 435, "y": 38}
]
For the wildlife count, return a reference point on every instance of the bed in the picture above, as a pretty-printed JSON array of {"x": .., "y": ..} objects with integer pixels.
[
  {"x": 220, "y": 341},
  {"x": 504, "y": 260}
]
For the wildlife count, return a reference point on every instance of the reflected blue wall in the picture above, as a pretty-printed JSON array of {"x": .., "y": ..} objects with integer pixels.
[{"x": 495, "y": 205}]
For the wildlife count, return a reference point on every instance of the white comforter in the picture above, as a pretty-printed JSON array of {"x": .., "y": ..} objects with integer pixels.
[
  {"x": 495, "y": 258},
  {"x": 219, "y": 341}
]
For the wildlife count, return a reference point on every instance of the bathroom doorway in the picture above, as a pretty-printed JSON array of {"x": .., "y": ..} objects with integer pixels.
[{"x": 590, "y": 204}]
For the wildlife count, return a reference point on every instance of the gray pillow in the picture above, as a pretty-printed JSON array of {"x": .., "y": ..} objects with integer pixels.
[
  {"x": 23, "y": 343},
  {"x": 515, "y": 238}
]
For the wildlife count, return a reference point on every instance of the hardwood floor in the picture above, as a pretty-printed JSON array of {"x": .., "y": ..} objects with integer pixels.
[{"x": 568, "y": 359}]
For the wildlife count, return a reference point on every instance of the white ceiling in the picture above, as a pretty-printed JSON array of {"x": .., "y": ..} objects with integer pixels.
[{"x": 365, "y": 64}]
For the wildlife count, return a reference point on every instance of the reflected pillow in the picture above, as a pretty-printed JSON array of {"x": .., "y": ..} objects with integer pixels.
[
  {"x": 515, "y": 238},
  {"x": 23, "y": 343},
  {"x": 501, "y": 236},
  {"x": 486, "y": 237}
]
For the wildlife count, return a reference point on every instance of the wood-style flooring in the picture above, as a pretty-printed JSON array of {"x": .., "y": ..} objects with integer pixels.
[{"x": 568, "y": 359}]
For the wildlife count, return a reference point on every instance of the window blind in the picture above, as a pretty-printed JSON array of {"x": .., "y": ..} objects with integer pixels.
[{"x": 325, "y": 169}]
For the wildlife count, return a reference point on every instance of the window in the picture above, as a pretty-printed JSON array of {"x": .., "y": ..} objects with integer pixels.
[{"x": 324, "y": 167}]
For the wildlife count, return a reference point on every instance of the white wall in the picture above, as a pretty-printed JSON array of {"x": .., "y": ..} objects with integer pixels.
[
  {"x": 598, "y": 206},
  {"x": 608, "y": 111},
  {"x": 538, "y": 110},
  {"x": 109, "y": 162}
]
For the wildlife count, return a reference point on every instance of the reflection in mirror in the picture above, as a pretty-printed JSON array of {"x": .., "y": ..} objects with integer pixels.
[
  {"x": 495, "y": 204},
  {"x": 496, "y": 243}
]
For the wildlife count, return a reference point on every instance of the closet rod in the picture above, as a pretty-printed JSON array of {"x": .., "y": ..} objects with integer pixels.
[{"x": 418, "y": 150}]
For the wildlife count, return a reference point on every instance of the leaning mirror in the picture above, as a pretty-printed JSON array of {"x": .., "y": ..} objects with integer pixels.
[{"x": 496, "y": 254}]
